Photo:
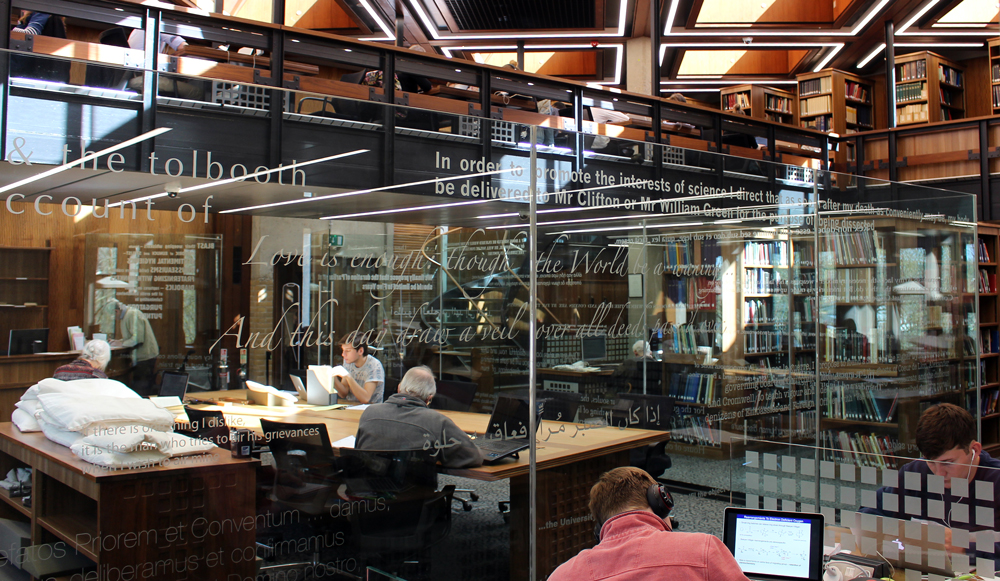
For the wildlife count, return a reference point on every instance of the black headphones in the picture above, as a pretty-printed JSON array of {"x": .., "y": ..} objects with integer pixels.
[{"x": 661, "y": 502}]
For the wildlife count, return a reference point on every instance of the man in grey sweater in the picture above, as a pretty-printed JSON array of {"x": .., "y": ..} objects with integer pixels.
[{"x": 404, "y": 422}]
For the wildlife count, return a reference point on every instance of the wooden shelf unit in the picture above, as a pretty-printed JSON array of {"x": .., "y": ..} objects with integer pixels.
[
  {"x": 762, "y": 102},
  {"x": 24, "y": 278},
  {"x": 929, "y": 88},
  {"x": 843, "y": 104},
  {"x": 984, "y": 403},
  {"x": 994, "y": 47}
]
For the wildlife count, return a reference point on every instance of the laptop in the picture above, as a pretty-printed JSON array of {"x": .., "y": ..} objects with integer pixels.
[
  {"x": 775, "y": 545},
  {"x": 174, "y": 384},
  {"x": 507, "y": 432},
  {"x": 299, "y": 388}
]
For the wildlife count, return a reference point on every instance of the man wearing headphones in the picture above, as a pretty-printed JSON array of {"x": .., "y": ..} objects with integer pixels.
[
  {"x": 635, "y": 539},
  {"x": 946, "y": 440}
]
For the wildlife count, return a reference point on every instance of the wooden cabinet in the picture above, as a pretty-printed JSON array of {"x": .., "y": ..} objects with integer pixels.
[
  {"x": 761, "y": 102},
  {"x": 838, "y": 102},
  {"x": 193, "y": 519},
  {"x": 929, "y": 88},
  {"x": 24, "y": 290}
]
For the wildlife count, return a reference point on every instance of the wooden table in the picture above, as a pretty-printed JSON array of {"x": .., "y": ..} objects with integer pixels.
[
  {"x": 569, "y": 459},
  {"x": 469, "y": 95},
  {"x": 226, "y": 56},
  {"x": 127, "y": 520}
]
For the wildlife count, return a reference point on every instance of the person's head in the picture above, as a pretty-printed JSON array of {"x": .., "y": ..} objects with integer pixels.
[
  {"x": 620, "y": 490},
  {"x": 946, "y": 436},
  {"x": 677, "y": 97},
  {"x": 120, "y": 309},
  {"x": 97, "y": 352},
  {"x": 641, "y": 349},
  {"x": 353, "y": 347},
  {"x": 419, "y": 382}
]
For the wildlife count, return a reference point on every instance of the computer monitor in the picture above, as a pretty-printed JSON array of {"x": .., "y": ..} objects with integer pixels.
[
  {"x": 594, "y": 348},
  {"x": 28, "y": 341}
]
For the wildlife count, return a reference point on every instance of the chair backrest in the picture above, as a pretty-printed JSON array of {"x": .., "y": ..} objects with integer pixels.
[
  {"x": 396, "y": 470},
  {"x": 208, "y": 425},
  {"x": 354, "y": 77},
  {"x": 391, "y": 387},
  {"x": 454, "y": 396},
  {"x": 559, "y": 405},
  {"x": 644, "y": 412},
  {"x": 306, "y": 469}
]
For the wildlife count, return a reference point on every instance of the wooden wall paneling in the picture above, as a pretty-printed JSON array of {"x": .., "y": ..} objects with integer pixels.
[
  {"x": 977, "y": 82},
  {"x": 877, "y": 149},
  {"x": 878, "y": 99},
  {"x": 993, "y": 138},
  {"x": 936, "y": 143},
  {"x": 317, "y": 15}
]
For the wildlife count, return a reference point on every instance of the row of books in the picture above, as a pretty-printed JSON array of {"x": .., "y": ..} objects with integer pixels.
[
  {"x": 989, "y": 341},
  {"x": 949, "y": 75},
  {"x": 696, "y": 430},
  {"x": 987, "y": 281},
  {"x": 912, "y": 70},
  {"x": 757, "y": 311},
  {"x": 696, "y": 292},
  {"x": 816, "y": 105},
  {"x": 858, "y": 402},
  {"x": 996, "y": 95},
  {"x": 856, "y": 448},
  {"x": 916, "y": 113},
  {"x": 815, "y": 86},
  {"x": 850, "y": 285},
  {"x": 911, "y": 91},
  {"x": 762, "y": 341},
  {"x": 818, "y": 123},
  {"x": 761, "y": 281},
  {"x": 765, "y": 253},
  {"x": 692, "y": 387},
  {"x": 682, "y": 252},
  {"x": 949, "y": 114},
  {"x": 681, "y": 339},
  {"x": 846, "y": 345},
  {"x": 984, "y": 251},
  {"x": 950, "y": 97},
  {"x": 856, "y": 91},
  {"x": 735, "y": 100},
  {"x": 990, "y": 399},
  {"x": 995, "y": 73},
  {"x": 775, "y": 103},
  {"x": 851, "y": 248},
  {"x": 859, "y": 116}
]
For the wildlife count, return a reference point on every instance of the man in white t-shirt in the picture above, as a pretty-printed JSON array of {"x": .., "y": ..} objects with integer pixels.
[{"x": 366, "y": 377}]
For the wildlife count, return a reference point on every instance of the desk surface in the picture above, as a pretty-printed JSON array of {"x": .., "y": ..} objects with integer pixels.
[
  {"x": 559, "y": 443},
  {"x": 519, "y": 102}
]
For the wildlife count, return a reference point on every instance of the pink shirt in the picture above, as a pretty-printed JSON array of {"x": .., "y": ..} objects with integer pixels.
[{"x": 636, "y": 546}]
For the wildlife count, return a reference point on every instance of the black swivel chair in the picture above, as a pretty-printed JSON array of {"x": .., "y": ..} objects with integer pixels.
[
  {"x": 306, "y": 471},
  {"x": 207, "y": 425},
  {"x": 456, "y": 396},
  {"x": 107, "y": 77},
  {"x": 645, "y": 412},
  {"x": 416, "y": 515}
]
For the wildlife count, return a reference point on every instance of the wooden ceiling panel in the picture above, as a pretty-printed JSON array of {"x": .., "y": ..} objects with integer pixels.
[
  {"x": 570, "y": 63},
  {"x": 318, "y": 15},
  {"x": 737, "y": 62},
  {"x": 747, "y": 12},
  {"x": 970, "y": 12}
]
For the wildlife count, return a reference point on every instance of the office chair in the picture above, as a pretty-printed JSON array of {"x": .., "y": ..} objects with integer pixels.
[
  {"x": 107, "y": 77},
  {"x": 457, "y": 396},
  {"x": 208, "y": 425},
  {"x": 415, "y": 517},
  {"x": 645, "y": 412},
  {"x": 306, "y": 470}
]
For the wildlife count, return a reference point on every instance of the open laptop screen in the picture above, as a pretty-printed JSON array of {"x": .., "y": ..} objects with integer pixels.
[
  {"x": 174, "y": 384},
  {"x": 776, "y": 545}
]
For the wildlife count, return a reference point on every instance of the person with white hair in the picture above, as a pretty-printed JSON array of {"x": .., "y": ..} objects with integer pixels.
[
  {"x": 91, "y": 363},
  {"x": 404, "y": 422}
]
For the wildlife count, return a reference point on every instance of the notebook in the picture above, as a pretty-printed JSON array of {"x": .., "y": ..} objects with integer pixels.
[
  {"x": 507, "y": 432},
  {"x": 774, "y": 545}
]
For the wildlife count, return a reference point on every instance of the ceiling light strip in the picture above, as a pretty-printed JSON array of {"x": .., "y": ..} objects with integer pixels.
[
  {"x": 618, "y": 31},
  {"x": 401, "y": 210},
  {"x": 918, "y": 16},
  {"x": 822, "y": 64}
]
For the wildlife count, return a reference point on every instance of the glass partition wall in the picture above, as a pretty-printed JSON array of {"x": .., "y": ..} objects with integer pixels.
[{"x": 762, "y": 320}]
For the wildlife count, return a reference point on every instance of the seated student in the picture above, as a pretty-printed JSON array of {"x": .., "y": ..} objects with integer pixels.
[
  {"x": 636, "y": 544},
  {"x": 167, "y": 85},
  {"x": 630, "y": 370},
  {"x": 31, "y": 23},
  {"x": 946, "y": 440},
  {"x": 404, "y": 422},
  {"x": 89, "y": 365},
  {"x": 365, "y": 380}
]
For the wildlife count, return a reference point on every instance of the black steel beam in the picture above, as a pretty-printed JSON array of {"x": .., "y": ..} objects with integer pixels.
[
  {"x": 890, "y": 73},
  {"x": 985, "y": 193},
  {"x": 150, "y": 84},
  {"x": 276, "y": 102}
]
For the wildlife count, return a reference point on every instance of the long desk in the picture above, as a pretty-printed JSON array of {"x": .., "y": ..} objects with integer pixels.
[
  {"x": 148, "y": 523},
  {"x": 569, "y": 459}
]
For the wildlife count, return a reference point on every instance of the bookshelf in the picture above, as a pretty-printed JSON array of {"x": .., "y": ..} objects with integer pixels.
[
  {"x": 24, "y": 272},
  {"x": 761, "y": 103},
  {"x": 894, "y": 314},
  {"x": 929, "y": 88},
  {"x": 834, "y": 101},
  {"x": 994, "y": 46},
  {"x": 983, "y": 398}
]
